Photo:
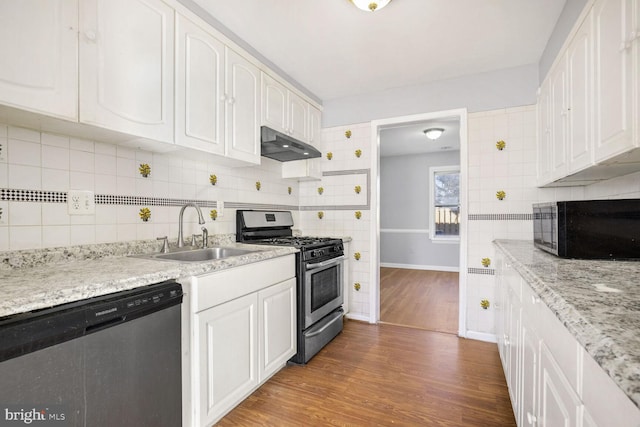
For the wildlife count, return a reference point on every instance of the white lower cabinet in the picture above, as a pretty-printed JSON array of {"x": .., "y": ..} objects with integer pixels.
[
  {"x": 277, "y": 314},
  {"x": 243, "y": 326},
  {"x": 559, "y": 403},
  {"x": 227, "y": 349},
  {"x": 552, "y": 380}
]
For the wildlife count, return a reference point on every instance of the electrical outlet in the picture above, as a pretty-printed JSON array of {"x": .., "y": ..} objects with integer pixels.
[
  {"x": 3, "y": 151},
  {"x": 81, "y": 202},
  {"x": 220, "y": 207}
]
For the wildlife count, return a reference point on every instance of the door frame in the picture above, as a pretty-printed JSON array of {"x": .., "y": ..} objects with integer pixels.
[{"x": 376, "y": 126}]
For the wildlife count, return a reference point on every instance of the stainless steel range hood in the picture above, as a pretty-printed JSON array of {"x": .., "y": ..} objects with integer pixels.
[{"x": 283, "y": 148}]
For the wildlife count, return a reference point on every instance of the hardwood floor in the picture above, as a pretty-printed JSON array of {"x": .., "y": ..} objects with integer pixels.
[
  {"x": 420, "y": 299},
  {"x": 382, "y": 375}
]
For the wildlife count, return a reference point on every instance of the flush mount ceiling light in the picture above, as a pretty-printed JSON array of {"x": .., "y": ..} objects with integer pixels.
[
  {"x": 369, "y": 5},
  {"x": 433, "y": 133}
]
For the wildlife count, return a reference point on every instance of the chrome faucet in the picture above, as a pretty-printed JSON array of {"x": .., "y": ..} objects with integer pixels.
[{"x": 200, "y": 221}]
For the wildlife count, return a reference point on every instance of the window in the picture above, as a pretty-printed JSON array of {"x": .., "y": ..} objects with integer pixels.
[{"x": 444, "y": 188}]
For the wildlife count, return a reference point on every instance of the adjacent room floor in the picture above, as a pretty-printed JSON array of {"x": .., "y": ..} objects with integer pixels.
[
  {"x": 420, "y": 299},
  {"x": 383, "y": 375}
]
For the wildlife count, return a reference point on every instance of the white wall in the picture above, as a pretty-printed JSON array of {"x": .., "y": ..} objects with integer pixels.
[
  {"x": 404, "y": 213},
  {"x": 480, "y": 92},
  {"x": 566, "y": 21},
  {"x": 37, "y": 169}
]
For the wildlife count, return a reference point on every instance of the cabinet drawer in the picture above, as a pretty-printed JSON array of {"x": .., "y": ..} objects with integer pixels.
[{"x": 219, "y": 287}]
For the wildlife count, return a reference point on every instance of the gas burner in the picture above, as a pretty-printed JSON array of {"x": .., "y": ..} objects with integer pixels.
[{"x": 296, "y": 241}]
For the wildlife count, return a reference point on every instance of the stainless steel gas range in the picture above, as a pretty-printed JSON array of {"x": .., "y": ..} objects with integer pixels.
[{"x": 319, "y": 276}]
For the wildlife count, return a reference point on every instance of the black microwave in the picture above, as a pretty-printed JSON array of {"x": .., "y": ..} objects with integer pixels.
[{"x": 588, "y": 229}]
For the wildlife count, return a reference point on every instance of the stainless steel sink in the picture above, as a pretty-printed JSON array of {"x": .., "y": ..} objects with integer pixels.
[{"x": 198, "y": 255}]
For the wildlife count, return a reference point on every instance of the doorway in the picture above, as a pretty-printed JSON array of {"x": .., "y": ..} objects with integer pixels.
[{"x": 418, "y": 280}]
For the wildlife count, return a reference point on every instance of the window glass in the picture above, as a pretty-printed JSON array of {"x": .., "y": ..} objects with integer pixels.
[{"x": 446, "y": 204}]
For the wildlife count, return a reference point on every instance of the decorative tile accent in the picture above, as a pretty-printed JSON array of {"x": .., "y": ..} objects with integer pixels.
[
  {"x": 258, "y": 185},
  {"x": 145, "y": 214},
  {"x": 485, "y": 304},
  {"x": 329, "y": 155},
  {"x": 486, "y": 262},
  {"x": 500, "y": 145},
  {"x": 366, "y": 206},
  {"x": 213, "y": 214},
  {"x": 145, "y": 170},
  {"x": 500, "y": 195},
  {"x": 213, "y": 179},
  {"x": 14, "y": 195},
  {"x": 347, "y": 133},
  {"x": 358, "y": 153},
  {"x": 489, "y": 271}
]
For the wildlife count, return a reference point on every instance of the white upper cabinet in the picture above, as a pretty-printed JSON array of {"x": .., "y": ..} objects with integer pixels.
[
  {"x": 315, "y": 126},
  {"x": 559, "y": 115},
  {"x": 274, "y": 104},
  {"x": 287, "y": 112},
  {"x": 126, "y": 66},
  {"x": 598, "y": 108},
  {"x": 298, "y": 117},
  {"x": 200, "y": 102},
  {"x": 613, "y": 77},
  {"x": 46, "y": 79},
  {"x": 579, "y": 99},
  {"x": 243, "y": 108}
]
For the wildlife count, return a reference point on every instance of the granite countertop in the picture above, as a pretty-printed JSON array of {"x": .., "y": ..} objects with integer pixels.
[
  {"x": 597, "y": 301},
  {"x": 33, "y": 280}
]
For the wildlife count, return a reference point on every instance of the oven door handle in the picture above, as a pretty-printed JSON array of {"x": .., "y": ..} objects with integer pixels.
[{"x": 325, "y": 263}]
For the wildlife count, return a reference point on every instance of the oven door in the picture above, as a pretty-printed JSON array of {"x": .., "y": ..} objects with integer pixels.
[{"x": 323, "y": 284}]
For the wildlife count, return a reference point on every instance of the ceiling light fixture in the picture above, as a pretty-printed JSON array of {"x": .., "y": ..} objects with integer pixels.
[
  {"x": 369, "y": 5},
  {"x": 433, "y": 133}
]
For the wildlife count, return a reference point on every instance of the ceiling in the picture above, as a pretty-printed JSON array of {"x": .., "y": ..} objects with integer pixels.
[
  {"x": 336, "y": 50},
  {"x": 409, "y": 139}
]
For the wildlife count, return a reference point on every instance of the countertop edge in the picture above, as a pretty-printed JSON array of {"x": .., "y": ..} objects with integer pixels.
[{"x": 604, "y": 351}]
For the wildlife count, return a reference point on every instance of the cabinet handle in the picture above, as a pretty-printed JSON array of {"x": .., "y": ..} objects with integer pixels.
[
  {"x": 635, "y": 35},
  {"x": 624, "y": 46},
  {"x": 223, "y": 98},
  {"x": 90, "y": 35},
  {"x": 231, "y": 101},
  {"x": 531, "y": 419}
]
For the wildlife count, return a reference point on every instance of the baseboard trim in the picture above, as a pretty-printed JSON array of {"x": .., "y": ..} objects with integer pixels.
[
  {"x": 420, "y": 267},
  {"x": 481, "y": 336},
  {"x": 360, "y": 317}
]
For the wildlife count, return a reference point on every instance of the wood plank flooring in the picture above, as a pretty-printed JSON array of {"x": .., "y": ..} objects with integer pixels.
[
  {"x": 420, "y": 299},
  {"x": 383, "y": 375}
]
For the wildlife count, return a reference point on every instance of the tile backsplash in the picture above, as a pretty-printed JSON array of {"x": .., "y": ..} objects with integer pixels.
[{"x": 38, "y": 169}]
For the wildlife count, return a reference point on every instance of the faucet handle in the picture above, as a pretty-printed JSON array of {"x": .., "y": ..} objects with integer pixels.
[
  {"x": 205, "y": 237},
  {"x": 165, "y": 244}
]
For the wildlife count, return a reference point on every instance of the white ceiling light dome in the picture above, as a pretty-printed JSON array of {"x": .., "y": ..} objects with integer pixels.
[
  {"x": 433, "y": 133},
  {"x": 370, "y": 5}
]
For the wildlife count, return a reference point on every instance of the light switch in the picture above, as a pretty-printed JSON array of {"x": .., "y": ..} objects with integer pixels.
[{"x": 81, "y": 202}]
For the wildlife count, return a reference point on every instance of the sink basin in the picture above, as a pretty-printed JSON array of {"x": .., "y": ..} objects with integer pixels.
[{"x": 199, "y": 255}]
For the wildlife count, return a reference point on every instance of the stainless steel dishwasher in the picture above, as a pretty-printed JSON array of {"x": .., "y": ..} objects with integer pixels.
[{"x": 109, "y": 361}]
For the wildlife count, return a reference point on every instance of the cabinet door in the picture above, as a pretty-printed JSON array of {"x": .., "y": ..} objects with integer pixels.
[
  {"x": 613, "y": 78},
  {"x": 315, "y": 126},
  {"x": 559, "y": 404},
  {"x": 243, "y": 108},
  {"x": 38, "y": 65},
  {"x": 226, "y": 343},
  {"x": 298, "y": 113},
  {"x": 529, "y": 378},
  {"x": 277, "y": 327},
  {"x": 274, "y": 104},
  {"x": 126, "y": 66},
  {"x": 544, "y": 134},
  {"x": 579, "y": 98},
  {"x": 199, "y": 88},
  {"x": 559, "y": 111},
  {"x": 512, "y": 349}
]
